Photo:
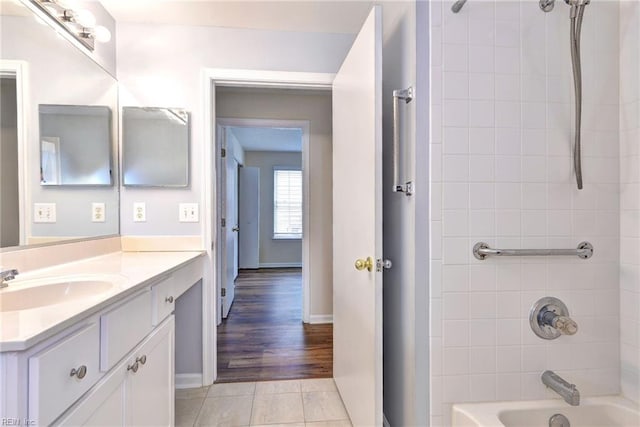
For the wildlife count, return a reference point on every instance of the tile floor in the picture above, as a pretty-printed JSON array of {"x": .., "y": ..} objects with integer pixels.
[{"x": 297, "y": 403}]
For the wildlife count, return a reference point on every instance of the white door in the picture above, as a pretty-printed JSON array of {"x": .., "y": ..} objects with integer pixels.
[
  {"x": 357, "y": 225},
  {"x": 229, "y": 244},
  {"x": 249, "y": 217}
]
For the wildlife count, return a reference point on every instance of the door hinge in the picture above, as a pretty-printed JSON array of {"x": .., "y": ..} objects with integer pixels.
[
  {"x": 223, "y": 291},
  {"x": 223, "y": 222},
  {"x": 223, "y": 152}
]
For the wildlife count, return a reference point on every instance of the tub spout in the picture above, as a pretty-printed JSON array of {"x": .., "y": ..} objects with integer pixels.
[{"x": 568, "y": 391}]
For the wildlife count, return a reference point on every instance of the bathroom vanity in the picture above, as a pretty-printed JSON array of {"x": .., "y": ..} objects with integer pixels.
[{"x": 99, "y": 352}]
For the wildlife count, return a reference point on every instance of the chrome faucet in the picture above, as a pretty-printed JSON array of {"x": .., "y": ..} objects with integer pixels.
[
  {"x": 569, "y": 392},
  {"x": 7, "y": 275}
]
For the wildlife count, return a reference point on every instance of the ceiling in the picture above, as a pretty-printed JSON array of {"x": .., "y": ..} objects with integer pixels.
[
  {"x": 268, "y": 139},
  {"x": 325, "y": 16}
]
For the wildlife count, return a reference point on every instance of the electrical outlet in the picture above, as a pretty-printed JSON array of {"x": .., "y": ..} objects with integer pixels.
[
  {"x": 139, "y": 212},
  {"x": 44, "y": 212},
  {"x": 188, "y": 212},
  {"x": 97, "y": 212}
]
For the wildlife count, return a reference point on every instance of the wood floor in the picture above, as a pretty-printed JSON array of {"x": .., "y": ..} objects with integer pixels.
[{"x": 263, "y": 338}]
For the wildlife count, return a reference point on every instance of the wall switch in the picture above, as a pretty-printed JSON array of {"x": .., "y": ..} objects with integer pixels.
[
  {"x": 97, "y": 212},
  {"x": 44, "y": 212},
  {"x": 188, "y": 212},
  {"x": 139, "y": 212}
]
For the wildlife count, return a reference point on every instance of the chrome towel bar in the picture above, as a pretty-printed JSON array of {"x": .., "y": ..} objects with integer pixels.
[{"x": 482, "y": 250}]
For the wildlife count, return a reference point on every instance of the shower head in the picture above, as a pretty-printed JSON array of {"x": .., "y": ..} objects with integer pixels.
[{"x": 458, "y": 5}]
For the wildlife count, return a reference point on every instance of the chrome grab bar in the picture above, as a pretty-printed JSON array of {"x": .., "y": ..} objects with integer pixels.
[
  {"x": 481, "y": 250},
  {"x": 406, "y": 95}
]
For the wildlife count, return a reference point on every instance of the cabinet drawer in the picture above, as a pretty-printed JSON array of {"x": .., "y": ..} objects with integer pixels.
[
  {"x": 163, "y": 296},
  {"x": 123, "y": 328},
  {"x": 52, "y": 388}
]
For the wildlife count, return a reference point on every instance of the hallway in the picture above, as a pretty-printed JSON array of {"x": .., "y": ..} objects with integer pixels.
[{"x": 264, "y": 337}]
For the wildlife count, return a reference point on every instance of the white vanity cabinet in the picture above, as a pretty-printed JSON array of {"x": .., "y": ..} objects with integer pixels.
[
  {"x": 133, "y": 393},
  {"x": 116, "y": 366}
]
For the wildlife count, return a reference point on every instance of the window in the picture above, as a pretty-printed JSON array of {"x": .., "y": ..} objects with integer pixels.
[{"x": 287, "y": 204}]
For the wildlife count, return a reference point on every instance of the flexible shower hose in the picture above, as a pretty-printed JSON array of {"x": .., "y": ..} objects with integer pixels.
[{"x": 577, "y": 13}]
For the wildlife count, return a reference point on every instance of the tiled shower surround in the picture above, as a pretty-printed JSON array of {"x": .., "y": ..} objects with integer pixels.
[
  {"x": 502, "y": 173},
  {"x": 630, "y": 199}
]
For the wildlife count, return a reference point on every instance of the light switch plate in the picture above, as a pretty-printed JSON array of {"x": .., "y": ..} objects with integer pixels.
[
  {"x": 98, "y": 212},
  {"x": 139, "y": 212},
  {"x": 44, "y": 212},
  {"x": 188, "y": 212}
]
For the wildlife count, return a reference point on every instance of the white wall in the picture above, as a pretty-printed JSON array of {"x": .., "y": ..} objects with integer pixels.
[
  {"x": 502, "y": 173},
  {"x": 273, "y": 252},
  {"x": 405, "y": 305},
  {"x": 316, "y": 108},
  {"x": 163, "y": 69},
  {"x": 630, "y": 199}
]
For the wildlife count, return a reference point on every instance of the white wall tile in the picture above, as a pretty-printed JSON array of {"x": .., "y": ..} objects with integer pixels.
[
  {"x": 510, "y": 127},
  {"x": 481, "y": 140}
]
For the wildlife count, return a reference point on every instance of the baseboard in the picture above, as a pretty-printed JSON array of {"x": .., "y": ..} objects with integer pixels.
[
  {"x": 280, "y": 265},
  {"x": 385, "y": 421},
  {"x": 188, "y": 381},
  {"x": 320, "y": 318}
]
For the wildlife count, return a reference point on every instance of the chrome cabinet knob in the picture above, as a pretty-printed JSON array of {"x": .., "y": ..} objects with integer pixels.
[
  {"x": 80, "y": 373},
  {"x": 169, "y": 299},
  {"x": 142, "y": 359},
  {"x": 134, "y": 367}
]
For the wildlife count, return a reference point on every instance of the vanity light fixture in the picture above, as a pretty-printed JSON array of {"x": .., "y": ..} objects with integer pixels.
[{"x": 81, "y": 24}]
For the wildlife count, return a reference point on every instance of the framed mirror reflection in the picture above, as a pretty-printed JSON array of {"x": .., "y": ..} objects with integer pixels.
[
  {"x": 155, "y": 147},
  {"x": 75, "y": 145},
  {"x": 40, "y": 70}
]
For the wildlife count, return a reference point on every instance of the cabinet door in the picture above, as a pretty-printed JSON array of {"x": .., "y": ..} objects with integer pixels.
[
  {"x": 103, "y": 406},
  {"x": 150, "y": 390}
]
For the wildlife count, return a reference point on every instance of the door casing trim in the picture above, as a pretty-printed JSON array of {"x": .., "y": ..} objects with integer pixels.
[{"x": 210, "y": 78}]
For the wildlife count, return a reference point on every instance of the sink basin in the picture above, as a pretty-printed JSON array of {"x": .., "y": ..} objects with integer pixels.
[{"x": 36, "y": 293}]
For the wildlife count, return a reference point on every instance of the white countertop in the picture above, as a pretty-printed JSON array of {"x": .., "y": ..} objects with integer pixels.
[{"x": 129, "y": 271}]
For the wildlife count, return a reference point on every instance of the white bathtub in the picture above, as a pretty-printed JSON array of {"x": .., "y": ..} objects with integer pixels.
[{"x": 608, "y": 411}]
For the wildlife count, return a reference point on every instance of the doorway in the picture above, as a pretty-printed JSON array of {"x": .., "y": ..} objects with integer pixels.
[
  {"x": 277, "y": 325},
  {"x": 356, "y": 222}
]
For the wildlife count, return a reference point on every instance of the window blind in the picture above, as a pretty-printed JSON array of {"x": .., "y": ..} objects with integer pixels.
[{"x": 287, "y": 201}]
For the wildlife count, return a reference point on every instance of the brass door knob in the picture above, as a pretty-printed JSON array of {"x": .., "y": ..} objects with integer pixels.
[{"x": 361, "y": 264}]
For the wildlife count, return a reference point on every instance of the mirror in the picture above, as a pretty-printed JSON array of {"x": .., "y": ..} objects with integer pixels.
[
  {"x": 75, "y": 145},
  {"x": 155, "y": 147},
  {"x": 40, "y": 68}
]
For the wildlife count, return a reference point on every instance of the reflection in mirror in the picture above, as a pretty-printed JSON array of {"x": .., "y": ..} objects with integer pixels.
[
  {"x": 155, "y": 147},
  {"x": 75, "y": 145},
  {"x": 46, "y": 69},
  {"x": 9, "y": 185}
]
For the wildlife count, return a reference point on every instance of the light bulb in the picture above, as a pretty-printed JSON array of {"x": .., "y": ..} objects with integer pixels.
[
  {"x": 102, "y": 34},
  {"x": 85, "y": 18}
]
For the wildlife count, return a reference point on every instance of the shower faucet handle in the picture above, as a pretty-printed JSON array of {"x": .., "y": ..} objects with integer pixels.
[
  {"x": 549, "y": 319},
  {"x": 565, "y": 325}
]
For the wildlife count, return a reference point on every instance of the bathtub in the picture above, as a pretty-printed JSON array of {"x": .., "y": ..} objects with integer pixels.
[{"x": 607, "y": 411}]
